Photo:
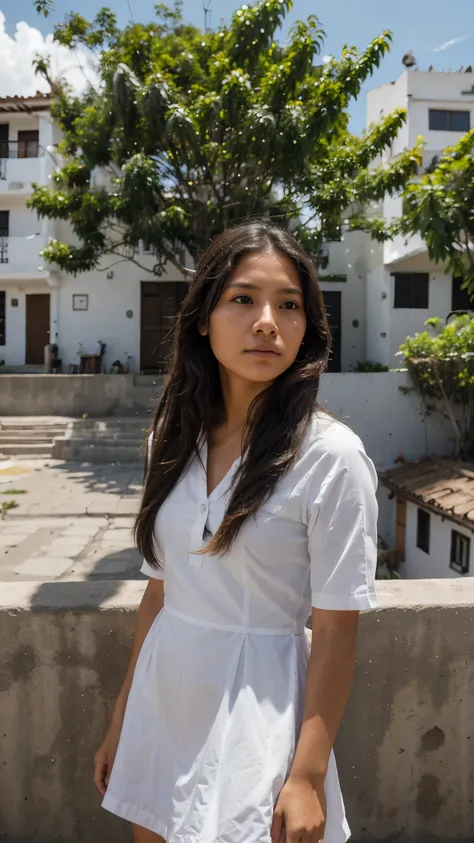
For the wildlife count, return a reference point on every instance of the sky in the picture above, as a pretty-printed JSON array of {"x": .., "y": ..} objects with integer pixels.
[{"x": 438, "y": 34}]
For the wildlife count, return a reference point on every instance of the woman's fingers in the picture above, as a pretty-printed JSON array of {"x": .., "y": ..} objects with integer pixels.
[
  {"x": 101, "y": 773},
  {"x": 277, "y": 826}
]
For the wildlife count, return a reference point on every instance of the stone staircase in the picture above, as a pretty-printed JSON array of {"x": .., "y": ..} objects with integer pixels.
[
  {"x": 103, "y": 441},
  {"x": 29, "y": 438}
]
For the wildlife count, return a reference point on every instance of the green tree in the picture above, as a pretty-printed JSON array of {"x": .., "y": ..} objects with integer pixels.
[
  {"x": 199, "y": 131},
  {"x": 440, "y": 207},
  {"x": 441, "y": 364}
]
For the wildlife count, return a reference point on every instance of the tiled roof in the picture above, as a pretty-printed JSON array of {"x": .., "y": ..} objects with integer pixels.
[
  {"x": 37, "y": 102},
  {"x": 442, "y": 486}
]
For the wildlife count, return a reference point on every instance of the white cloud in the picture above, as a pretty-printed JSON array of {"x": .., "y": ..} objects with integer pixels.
[
  {"x": 447, "y": 44},
  {"x": 17, "y": 75}
]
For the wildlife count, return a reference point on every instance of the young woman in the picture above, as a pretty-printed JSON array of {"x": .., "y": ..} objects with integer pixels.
[{"x": 257, "y": 506}]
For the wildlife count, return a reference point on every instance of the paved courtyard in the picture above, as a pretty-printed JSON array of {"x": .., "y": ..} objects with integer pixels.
[{"x": 72, "y": 522}]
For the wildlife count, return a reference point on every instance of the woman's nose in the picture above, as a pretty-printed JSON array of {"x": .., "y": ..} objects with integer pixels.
[{"x": 266, "y": 321}]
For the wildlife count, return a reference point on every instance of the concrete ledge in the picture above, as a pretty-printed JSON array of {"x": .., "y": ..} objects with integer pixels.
[
  {"x": 65, "y": 395},
  {"x": 405, "y": 750}
]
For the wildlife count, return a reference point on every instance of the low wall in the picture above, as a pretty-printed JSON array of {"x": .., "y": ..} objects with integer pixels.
[
  {"x": 389, "y": 420},
  {"x": 64, "y": 395},
  {"x": 405, "y": 750},
  {"x": 375, "y": 405}
]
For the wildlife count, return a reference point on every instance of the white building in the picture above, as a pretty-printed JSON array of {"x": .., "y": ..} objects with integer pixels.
[
  {"x": 376, "y": 295},
  {"x": 432, "y": 518},
  {"x": 403, "y": 287}
]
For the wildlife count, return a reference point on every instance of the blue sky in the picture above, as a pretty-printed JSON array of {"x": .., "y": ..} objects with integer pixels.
[{"x": 438, "y": 33}]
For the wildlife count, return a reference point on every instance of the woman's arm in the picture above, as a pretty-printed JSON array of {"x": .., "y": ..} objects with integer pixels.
[
  {"x": 150, "y": 606},
  {"x": 301, "y": 807}
]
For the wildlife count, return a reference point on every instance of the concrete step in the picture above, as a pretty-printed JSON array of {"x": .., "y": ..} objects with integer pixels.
[
  {"x": 17, "y": 449},
  {"x": 27, "y": 435},
  {"x": 74, "y": 450}
]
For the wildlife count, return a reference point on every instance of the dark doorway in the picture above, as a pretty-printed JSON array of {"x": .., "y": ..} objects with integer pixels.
[
  {"x": 160, "y": 304},
  {"x": 37, "y": 327},
  {"x": 4, "y": 136},
  {"x": 332, "y": 301}
]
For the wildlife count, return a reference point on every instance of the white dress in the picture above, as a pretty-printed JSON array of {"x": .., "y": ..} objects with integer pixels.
[{"x": 217, "y": 699}]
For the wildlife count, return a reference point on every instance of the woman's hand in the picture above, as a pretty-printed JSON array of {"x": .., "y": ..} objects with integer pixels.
[
  {"x": 301, "y": 812},
  {"x": 105, "y": 756}
]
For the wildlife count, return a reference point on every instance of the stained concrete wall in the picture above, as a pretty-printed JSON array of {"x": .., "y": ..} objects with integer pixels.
[
  {"x": 404, "y": 751},
  {"x": 64, "y": 395}
]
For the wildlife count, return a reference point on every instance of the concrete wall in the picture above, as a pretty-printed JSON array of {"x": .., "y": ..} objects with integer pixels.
[
  {"x": 348, "y": 258},
  {"x": 404, "y": 750},
  {"x": 437, "y": 90},
  {"x": 64, "y": 395},
  {"x": 418, "y": 564},
  {"x": 388, "y": 421}
]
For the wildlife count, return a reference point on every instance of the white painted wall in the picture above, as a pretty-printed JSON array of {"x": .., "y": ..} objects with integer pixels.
[
  {"x": 381, "y": 102},
  {"x": 408, "y": 322},
  {"x": 435, "y": 565},
  {"x": 378, "y": 315},
  {"x": 348, "y": 258},
  {"x": 105, "y": 320},
  {"x": 388, "y": 421},
  {"x": 441, "y": 91}
]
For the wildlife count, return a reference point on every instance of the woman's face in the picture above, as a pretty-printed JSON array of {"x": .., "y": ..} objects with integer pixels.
[{"x": 259, "y": 322}]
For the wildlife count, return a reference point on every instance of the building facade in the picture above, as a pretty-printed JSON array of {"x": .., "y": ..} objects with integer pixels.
[{"x": 375, "y": 295}]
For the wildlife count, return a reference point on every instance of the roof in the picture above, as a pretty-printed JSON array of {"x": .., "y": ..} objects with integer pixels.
[
  {"x": 441, "y": 486},
  {"x": 37, "y": 102}
]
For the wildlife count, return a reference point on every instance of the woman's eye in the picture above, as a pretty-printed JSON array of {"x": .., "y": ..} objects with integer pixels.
[
  {"x": 290, "y": 305},
  {"x": 242, "y": 299}
]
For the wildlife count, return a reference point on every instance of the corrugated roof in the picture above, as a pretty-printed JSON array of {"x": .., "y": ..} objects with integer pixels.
[
  {"x": 37, "y": 102},
  {"x": 442, "y": 486}
]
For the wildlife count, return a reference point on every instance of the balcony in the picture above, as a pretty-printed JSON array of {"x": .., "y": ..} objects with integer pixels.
[
  {"x": 21, "y": 164},
  {"x": 20, "y": 258}
]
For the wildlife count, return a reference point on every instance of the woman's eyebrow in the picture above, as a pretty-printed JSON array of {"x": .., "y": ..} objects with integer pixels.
[{"x": 248, "y": 285}]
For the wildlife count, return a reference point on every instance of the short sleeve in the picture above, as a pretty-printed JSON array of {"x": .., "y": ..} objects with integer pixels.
[
  {"x": 155, "y": 573},
  {"x": 342, "y": 531}
]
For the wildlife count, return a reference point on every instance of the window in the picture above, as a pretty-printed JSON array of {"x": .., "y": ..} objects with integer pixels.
[
  {"x": 423, "y": 530},
  {"x": 4, "y": 148},
  {"x": 411, "y": 290},
  {"x": 460, "y": 299},
  {"x": 28, "y": 144},
  {"x": 449, "y": 121},
  {"x": 2, "y": 317},
  {"x": 460, "y": 547}
]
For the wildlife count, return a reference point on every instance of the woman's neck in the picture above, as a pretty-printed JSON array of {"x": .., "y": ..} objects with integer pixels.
[{"x": 238, "y": 396}]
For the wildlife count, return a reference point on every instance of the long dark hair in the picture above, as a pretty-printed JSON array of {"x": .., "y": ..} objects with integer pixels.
[{"x": 192, "y": 399}]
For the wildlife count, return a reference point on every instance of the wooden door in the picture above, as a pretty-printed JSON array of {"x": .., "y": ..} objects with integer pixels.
[
  {"x": 332, "y": 301},
  {"x": 28, "y": 144},
  {"x": 160, "y": 304},
  {"x": 401, "y": 529},
  {"x": 37, "y": 327}
]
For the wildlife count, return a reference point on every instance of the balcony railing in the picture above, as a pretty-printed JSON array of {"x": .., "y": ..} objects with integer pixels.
[{"x": 20, "y": 149}]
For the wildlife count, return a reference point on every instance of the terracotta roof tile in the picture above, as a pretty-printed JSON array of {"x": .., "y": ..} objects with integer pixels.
[{"x": 442, "y": 486}]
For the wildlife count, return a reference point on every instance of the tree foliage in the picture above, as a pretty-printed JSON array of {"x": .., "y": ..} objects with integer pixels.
[
  {"x": 440, "y": 207},
  {"x": 198, "y": 131},
  {"x": 441, "y": 365}
]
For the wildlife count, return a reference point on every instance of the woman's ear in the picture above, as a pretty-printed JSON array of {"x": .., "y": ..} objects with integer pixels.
[{"x": 203, "y": 330}]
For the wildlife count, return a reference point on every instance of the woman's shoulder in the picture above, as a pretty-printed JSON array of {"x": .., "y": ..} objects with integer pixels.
[{"x": 329, "y": 436}]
